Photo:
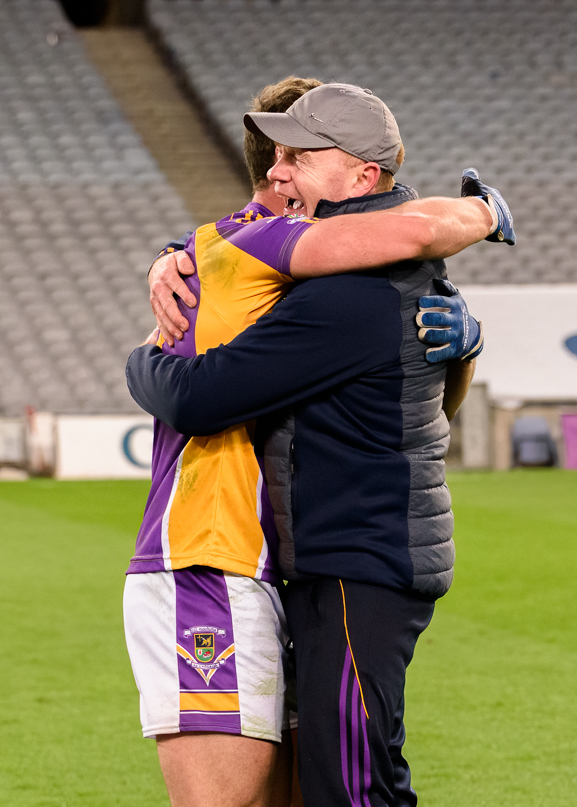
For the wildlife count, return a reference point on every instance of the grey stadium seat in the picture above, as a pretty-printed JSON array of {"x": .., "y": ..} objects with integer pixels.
[
  {"x": 77, "y": 189},
  {"x": 482, "y": 83}
]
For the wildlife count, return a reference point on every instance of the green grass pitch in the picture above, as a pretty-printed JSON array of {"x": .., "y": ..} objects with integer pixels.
[{"x": 491, "y": 706}]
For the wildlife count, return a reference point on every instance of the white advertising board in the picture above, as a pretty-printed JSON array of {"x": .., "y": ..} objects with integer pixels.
[
  {"x": 103, "y": 447},
  {"x": 530, "y": 340},
  {"x": 530, "y": 354},
  {"x": 12, "y": 447}
]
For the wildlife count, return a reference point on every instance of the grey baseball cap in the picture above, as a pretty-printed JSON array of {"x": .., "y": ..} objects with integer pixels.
[{"x": 335, "y": 115}]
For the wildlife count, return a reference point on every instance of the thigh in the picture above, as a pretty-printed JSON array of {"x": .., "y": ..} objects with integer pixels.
[
  {"x": 207, "y": 651},
  {"x": 353, "y": 643},
  {"x": 225, "y": 770}
]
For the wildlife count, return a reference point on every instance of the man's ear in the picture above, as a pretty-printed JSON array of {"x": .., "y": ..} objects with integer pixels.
[{"x": 367, "y": 177}]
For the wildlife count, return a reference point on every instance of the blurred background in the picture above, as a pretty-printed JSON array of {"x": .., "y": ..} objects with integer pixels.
[{"x": 121, "y": 128}]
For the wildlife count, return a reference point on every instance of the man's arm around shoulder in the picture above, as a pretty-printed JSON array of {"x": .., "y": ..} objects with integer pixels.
[
  {"x": 418, "y": 230},
  {"x": 290, "y": 354}
]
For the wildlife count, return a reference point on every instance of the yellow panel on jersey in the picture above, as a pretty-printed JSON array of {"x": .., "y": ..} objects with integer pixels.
[
  {"x": 208, "y": 505},
  {"x": 236, "y": 287},
  {"x": 210, "y": 522}
]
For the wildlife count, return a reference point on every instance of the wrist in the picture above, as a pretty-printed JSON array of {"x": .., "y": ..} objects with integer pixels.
[
  {"x": 477, "y": 346},
  {"x": 166, "y": 251},
  {"x": 491, "y": 215},
  {"x": 153, "y": 262}
]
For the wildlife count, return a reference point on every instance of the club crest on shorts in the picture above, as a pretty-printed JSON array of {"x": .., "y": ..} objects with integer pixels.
[
  {"x": 202, "y": 657},
  {"x": 204, "y": 647}
]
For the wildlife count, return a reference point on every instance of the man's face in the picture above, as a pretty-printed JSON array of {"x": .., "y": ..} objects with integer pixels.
[{"x": 304, "y": 177}]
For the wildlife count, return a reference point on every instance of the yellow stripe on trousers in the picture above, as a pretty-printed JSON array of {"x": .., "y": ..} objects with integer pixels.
[{"x": 351, "y": 649}]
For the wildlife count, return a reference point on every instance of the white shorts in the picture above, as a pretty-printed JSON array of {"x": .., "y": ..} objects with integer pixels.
[{"x": 207, "y": 650}]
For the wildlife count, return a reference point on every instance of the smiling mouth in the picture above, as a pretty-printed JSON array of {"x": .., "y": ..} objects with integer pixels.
[{"x": 295, "y": 205}]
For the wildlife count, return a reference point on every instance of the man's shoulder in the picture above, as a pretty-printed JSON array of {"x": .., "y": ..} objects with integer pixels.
[
  {"x": 269, "y": 240},
  {"x": 233, "y": 221},
  {"x": 248, "y": 215},
  {"x": 254, "y": 222}
]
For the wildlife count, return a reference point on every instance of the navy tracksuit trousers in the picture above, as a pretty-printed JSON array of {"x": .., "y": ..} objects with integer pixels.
[{"x": 353, "y": 643}]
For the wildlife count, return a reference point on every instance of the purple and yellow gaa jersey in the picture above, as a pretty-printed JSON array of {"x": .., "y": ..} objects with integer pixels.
[{"x": 208, "y": 504}]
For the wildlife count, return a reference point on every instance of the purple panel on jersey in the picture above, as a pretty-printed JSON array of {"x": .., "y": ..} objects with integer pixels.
[
  {"x": 167, "y": 445},
  {"x": 270, "y": 239},
  {"x": 204, "y": 630},
  {"x": 166, "y": 449},
  {"x": 187, "y": 345}
]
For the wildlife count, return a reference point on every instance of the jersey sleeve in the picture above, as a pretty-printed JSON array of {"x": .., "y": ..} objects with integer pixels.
[{"x": 269, "y": 240}]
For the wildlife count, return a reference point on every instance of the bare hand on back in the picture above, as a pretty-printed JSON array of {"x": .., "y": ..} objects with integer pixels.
[{"x": 165, "y": 280}]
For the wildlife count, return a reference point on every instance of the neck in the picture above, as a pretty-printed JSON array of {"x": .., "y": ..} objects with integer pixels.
[{"x": 268, "y": 198}]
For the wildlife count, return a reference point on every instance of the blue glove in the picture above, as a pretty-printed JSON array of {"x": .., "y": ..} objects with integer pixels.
[
  {"x": 446, "y": 322},
  {"x": 471, "y": 185}
]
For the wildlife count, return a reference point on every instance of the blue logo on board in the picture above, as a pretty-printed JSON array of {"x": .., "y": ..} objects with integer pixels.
[
  {"x": 571, "y": 344},
  {"x": 129, "y": 448}
]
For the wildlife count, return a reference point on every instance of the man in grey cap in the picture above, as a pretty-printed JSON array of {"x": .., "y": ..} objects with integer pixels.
[
  {"x": 356, "y": 472},
  {"x": 341, "y": 116}
]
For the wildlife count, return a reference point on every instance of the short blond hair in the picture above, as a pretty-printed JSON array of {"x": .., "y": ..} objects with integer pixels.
[{"x": 386, "y": 180}]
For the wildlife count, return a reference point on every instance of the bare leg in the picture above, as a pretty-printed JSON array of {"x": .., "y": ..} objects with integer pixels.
[{"x": 224, "y": 770}]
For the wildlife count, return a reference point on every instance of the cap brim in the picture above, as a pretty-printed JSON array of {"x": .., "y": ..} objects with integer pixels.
[{"x": 284, "y": 129}]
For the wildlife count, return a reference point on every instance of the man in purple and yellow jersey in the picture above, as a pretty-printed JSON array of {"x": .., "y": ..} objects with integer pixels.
[{"x": 204, "y": 570}]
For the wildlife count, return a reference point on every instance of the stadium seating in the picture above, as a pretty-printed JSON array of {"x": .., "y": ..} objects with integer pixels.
[
  {"x": 472, "y": 82},
  {"x": 83, "y": 210}
]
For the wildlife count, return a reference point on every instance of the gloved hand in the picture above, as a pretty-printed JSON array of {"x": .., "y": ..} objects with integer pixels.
[
  {"x": 471, "y": 185},
  {"x": 444, "y": 321}
]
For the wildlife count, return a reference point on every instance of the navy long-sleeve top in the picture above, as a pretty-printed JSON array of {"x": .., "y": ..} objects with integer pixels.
[{"x": 332, "y": 348}]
